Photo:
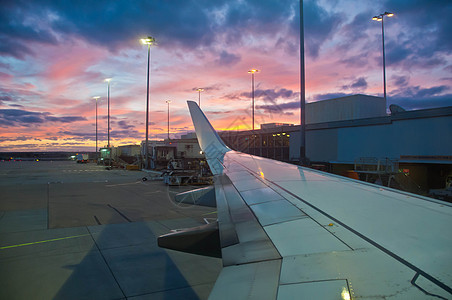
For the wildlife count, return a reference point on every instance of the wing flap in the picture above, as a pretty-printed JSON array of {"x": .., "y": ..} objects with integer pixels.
[
  {"x": 243, "y": 240},
  {"x": 249, "y": 281}
]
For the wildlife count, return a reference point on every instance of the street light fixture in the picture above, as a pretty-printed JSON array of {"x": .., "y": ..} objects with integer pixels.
[
  {"x": 199, "y": 95},
  {"x": 147, "y": 41},
  {"x": 168, "y": 102},
  {"x": 97, "y": 149},
  {"x": 380, "y": 18}
]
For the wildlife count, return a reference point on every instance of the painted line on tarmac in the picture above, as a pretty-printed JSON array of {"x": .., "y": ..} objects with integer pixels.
[
  {"x": 97, "y": 221},
  {"x": 120, "y": 213},
  {"x": 45, "y": 241},
  {"x": 211, "y": 213},
  {"x": 128, "y": 183}
]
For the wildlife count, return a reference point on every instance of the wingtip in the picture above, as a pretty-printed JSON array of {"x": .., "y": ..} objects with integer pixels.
[{"x": 206, "y": 134}]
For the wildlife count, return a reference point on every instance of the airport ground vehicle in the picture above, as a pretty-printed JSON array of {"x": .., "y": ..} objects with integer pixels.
[{"x": 82, "y": 158}]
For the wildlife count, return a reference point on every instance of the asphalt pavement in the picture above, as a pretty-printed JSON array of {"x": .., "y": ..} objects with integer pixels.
[{"x": 79, "y": 231}]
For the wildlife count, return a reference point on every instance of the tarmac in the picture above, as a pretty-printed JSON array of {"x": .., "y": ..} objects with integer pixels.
[{"x": 79, "y": 231}]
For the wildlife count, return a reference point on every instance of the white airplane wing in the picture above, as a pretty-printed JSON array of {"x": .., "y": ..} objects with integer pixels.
[{"x": 289, "y": 232}]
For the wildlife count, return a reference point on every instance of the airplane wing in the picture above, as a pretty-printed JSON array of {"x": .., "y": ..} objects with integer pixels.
[{"x": 289, "y": 232}]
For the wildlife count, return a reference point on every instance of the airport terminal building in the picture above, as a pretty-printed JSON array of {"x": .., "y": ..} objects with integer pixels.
[{"x": 354, "y": 135}]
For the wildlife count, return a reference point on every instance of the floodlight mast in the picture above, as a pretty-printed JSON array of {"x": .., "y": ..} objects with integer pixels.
[
  {"x": 380, "y": 18},
  {"x": 97, "y": 149},
  {"x": 168, "y": 102},
  {"x": 147, "y": 41},
  {"x": 252, "y": 72}
]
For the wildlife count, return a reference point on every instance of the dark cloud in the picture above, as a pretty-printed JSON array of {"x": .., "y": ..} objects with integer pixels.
[
  {"x": 279, "y": 108},
  {"x": 6, "y": 98},
  {"x": 18, "y": 27},
  {"x": 410, "y": 103},
  {"x": 123, "y": 124},
  {"x": 400, "y": 81},
  {"x": 64, "y": 119},
  {"x": 235, "y": 96},
  {"x": 184, "y": 23},
  {"x": 199, "y": 24},
  {"x": 79, "y": 135},
  {"x": 431, "y": 91},
  {"x": 109, "y": 24},
  {"x": 357, "y": 28},
  {"x": 14, "y": 139},
  {"x": 271, "y": 94},
  {"x": 213, "y": 87},
  {"x": 220, "y": 112},
  {"x": 227, "y": 59},
  {"x": 427, "y": 42},
  {"x": 18, "y": 117},
  {"x": 290, "y": 46},
  {"x": 358, "y": 84},
  {"x": 355, "y": 60},
  {"x": 416, "y": 97},
  {"x": 319, "y": 25},
  {"x": 121, "y": 134},
  {"x": 416, "y": 37},
  {"x": 417, "y": 92}
]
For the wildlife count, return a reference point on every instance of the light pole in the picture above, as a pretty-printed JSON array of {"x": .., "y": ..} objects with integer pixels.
[
  {"x": 108, "y": 143},
  {"x": 108, "y": 97},
  {"x": 380, "y": 18},
  {"x": 97, "y": 149},
  {"x": 168, "y": 102},
  {"x": 303, "y": 160},
  {"x": 252, "y": 71},
  {"x": 147, "y": 41},
  {"x": 199, "y": 95}
]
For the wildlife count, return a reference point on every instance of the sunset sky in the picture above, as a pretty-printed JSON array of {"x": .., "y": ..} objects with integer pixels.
[{"x": 55, "y": 55}]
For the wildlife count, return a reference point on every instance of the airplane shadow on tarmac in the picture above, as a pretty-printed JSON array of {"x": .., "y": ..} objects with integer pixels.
[{"x": 125, "y": 262}]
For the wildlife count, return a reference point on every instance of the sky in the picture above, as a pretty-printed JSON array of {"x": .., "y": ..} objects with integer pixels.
[{"x": 55, "y": 56}]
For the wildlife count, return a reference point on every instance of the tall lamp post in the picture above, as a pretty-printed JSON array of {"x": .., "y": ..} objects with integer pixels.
[
  {"x": 108, "y": 105},
  {"x": 303, "y": 160},
  {"x": 199, "y": 95},
  {"x": 168, "y": 102},
  {"x": 97, "y": 149},
  {"x": 380, "y": 18},
  {"x": 147, "y": 41},
  {"x": 252, "y": 71},
  {"x": 108, "y": 143}
]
